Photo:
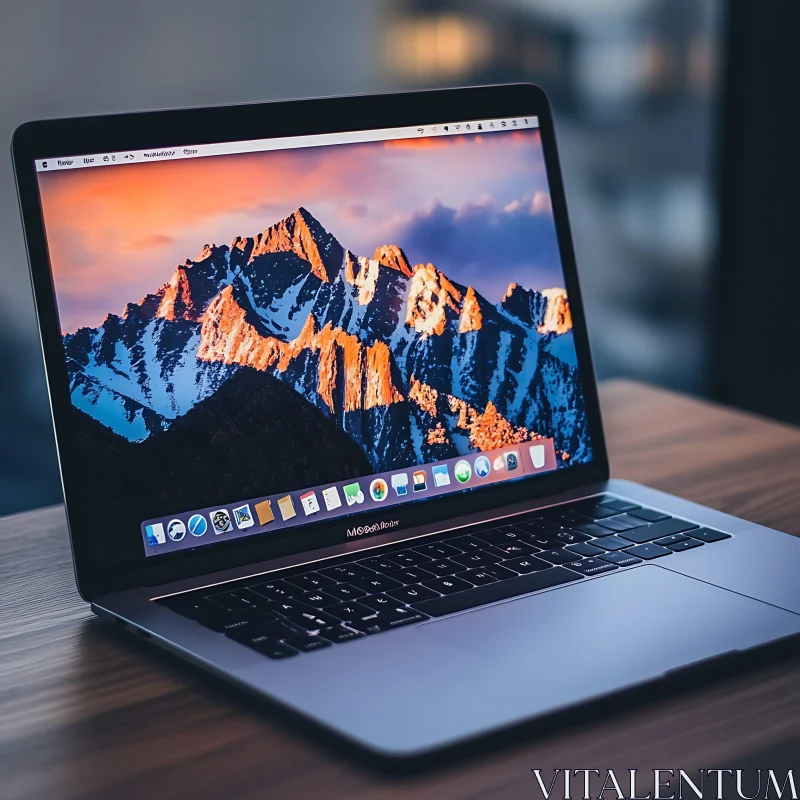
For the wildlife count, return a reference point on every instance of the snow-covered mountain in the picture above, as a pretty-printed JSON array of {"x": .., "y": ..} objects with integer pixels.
[{"x": 409, "y": 363}]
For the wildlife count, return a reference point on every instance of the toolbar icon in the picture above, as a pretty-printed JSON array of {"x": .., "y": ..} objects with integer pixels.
[
  {"x": 310, "y": 503},
  {"x": 243, "y": 516},
  {"x": 331, "y": 498},
  {"x": 286, "y": 506},
  {"x": 265, "y": 512},
  {"x": 537, "y": 455},
  {"x": 400, "y": 483}
]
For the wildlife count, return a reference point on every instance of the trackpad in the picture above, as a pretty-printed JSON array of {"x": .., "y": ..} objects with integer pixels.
[{"x": 591, "y": 637}]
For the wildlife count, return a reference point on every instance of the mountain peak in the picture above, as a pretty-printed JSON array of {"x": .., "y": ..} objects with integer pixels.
[
  {"x": 302, "y": 234},
  {"x": 430, "y": 295},
  {"x": 350, "y": 374},
  {"x": 557, "y": 316},
  {"x": 471, "y": 315},
  {"x": 392, "y": 256},
  {"x": 176, "y": 298},
  {"x": 547, "y": 310}
]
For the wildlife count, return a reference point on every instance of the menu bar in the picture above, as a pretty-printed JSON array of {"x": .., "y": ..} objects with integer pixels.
[
  {"x": 277, "y": 513},
  {"x": 473, "y": 127}
]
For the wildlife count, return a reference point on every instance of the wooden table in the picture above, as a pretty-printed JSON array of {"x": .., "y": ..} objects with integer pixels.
[{"x": 88, "y": 711}]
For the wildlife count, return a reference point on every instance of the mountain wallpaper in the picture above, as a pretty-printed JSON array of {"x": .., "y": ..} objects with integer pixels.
[{"x": 285, "y": 360}]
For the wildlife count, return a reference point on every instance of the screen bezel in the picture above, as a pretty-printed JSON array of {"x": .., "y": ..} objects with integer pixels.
[{"x": 178, "y": 128}]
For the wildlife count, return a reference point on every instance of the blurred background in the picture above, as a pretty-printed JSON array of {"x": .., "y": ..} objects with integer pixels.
[{"x": 634, "y": 84}]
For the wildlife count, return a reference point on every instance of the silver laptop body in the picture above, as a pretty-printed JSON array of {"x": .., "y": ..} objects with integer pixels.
[{"x": 352, "y": 460}]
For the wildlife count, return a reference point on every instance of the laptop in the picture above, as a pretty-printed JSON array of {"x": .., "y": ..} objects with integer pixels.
[{"x": 328, "y": 426}]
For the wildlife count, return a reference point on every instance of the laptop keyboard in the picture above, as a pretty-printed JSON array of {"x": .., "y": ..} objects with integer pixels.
[{"x": 300, "y": 610}]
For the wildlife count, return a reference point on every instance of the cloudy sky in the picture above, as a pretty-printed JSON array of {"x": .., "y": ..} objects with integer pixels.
[{"x": 476, "y": 206}]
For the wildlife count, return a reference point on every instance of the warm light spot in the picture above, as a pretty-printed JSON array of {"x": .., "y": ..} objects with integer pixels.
[{"x": 443, "y": 46}]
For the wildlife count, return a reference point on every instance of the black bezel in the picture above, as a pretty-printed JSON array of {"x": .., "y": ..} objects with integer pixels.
[{"x": 178, "y": 128}]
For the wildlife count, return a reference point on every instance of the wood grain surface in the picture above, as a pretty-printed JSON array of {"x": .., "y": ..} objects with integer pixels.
[{"x": 89, "y": 711}]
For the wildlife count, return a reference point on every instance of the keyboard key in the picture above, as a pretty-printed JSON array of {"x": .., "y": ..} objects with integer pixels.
[
  {"x": 499, "y": 537},
  {"x": 305, "y": 644},
  {"x": 257, "y": 636},
  {"x": 500, "y": 572},
  {"x": 367, "y": 625},
  {"x": 564, "y": 517},
  {"x": 657, "y": 530},
  {"x": 620, "y": 559},
  {"x": 313, "y": 621},
  {"x": 624, "y": 522},
  {"x": 594, "y": 510},
  {"x": 686, "y": 544},
  {"x": 601, "y": 512},
  {"x": 591, "y": 566},
  {"x": 493, "y": 592},
  {"x": 276, "y": 590},
  {"x": 620, "y": 505},
  {"x": 517, "y": 548},
  {"x": 380, "y": 564},
  {"x": 377, "y": 583},
  {"x": 443, "y": 567},
  {"x": 571, "y": 537},
  {"x": 611, "y": 543},
  {"x": 411, "y": 575},
  {"x": 317, "y": 599},
  {"x": 276, "y": 650},
  {"x": 709, "y": 535},
  {"x": 527, "y": 564},
  {"x": 649, "y": 514},
  {"x": 538, "y": 527},
  {"x": 225, "y": 621},
  {"x": 412, "y": 594},
  {"x": 189, "y": 605},
  {"x": 585, "y": 549},
  {"x": 476, "y": 558},
  {"x": 555, "y": 556},
  {"x": 409, "y": 558},
  {"x": 310, "y": 581},
  {"x": 437, "y": 550},
  {"x": 467, "y": 543},
  {"x": 344, "y": 591},
  {"x": 448, "y": 585},
  {"x": 480, "y": 577},
  {"x": 379, "y": 602},
  {"x": 236, "y": 601},
  {"x": 339, "y": 634},
  {"x": 544, "y": 542},
  {"x": 667, "y": 541},
  {"x": 386, "y": 620},
  {"x": 649, "y": 551},
  {"x": 349, "y": 611},
  {"x": 398, "y": 617},
  {"x": 593, "y": 529},
  {"x": 507, "y": 528},
  {"x": 344, "y": 573},
  {"x": 286, "y": 608}
]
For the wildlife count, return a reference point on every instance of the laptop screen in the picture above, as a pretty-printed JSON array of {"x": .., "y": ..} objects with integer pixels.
[{"x": 262, "y": 335}]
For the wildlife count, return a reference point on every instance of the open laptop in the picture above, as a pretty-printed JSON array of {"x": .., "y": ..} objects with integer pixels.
[{"x": 328, "y": 425}]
